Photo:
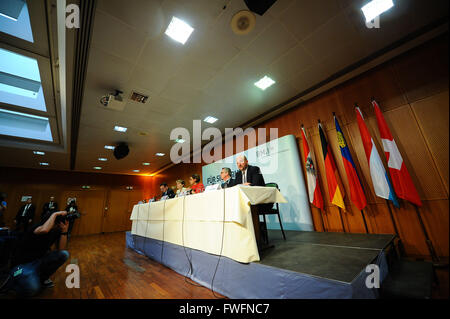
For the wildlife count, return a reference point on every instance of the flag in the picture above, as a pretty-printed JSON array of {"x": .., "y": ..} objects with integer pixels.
[
  {"x": 403, "y": 184},
  {"x": 356, "y": 191},
  {"x": 315, "y": 195},
  {"x": 380, "y": 179},
  {"x": 331, "y": 171}
]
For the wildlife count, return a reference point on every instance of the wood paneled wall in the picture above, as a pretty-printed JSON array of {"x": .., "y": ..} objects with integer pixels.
[{"x": 106, "y": 191}]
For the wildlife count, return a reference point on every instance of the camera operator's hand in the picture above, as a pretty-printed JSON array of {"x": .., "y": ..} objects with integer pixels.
[
  {"x": 62, "y": 213},
  {"x": 48, "y": 225}
]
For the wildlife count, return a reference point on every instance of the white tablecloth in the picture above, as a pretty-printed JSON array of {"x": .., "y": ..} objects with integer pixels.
[{"x": 207, "y": 220}]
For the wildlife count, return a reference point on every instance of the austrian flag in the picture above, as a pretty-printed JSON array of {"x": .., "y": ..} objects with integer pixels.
[
  {"x": 403, "y": 184},
  {"x": 315, "y": 195}
]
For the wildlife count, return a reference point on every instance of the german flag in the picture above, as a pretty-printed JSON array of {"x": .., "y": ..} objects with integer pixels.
[{"x": 331, "y": 171}]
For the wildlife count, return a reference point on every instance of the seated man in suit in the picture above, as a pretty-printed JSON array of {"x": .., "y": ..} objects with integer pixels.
[
  {"x": 225, "y": 175},
  {"x": 251, "y": 176},
  {"x": 166, "y": 191},
  {"x": 248, "y": 174},
  {"x": 25, "y": 215}
]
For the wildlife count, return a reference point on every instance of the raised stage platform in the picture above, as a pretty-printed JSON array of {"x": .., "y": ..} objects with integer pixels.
[{"x": 306, "y": 265}]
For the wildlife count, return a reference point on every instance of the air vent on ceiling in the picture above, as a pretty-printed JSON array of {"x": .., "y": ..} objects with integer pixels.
[{"x": 138, "y": 97}]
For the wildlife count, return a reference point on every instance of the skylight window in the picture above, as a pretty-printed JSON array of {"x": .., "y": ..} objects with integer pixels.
[
  {"x": 179, "y": 30},
  {"x": 25, "y": 125},
  {"x": 20, "y": 81},
  {"x": 15, "y": 19}
]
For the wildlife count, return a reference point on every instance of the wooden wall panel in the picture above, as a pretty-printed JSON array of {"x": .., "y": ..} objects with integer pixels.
[
  {"x": 41, "y": 184},
  {"x": 415, "y": 153},
  {"x": 378, "y": 83},
  {"x": 424, "y": 72},
  {"x": 435, "y": 217},
  {"x": 432, "y": 114}
]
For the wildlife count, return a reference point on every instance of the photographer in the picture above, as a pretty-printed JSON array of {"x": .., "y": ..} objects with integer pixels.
[
  {"x": 33, "y": 262},
  {"x": 72, "y": 209}
]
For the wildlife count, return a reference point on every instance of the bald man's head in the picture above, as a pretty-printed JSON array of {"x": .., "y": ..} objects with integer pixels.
[{"x": 241, "y": 162}]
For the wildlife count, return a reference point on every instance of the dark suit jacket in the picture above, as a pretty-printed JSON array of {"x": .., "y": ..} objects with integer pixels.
[
  {"x": 254, "y": 176},
  {"x": 46, "y": 209},
  {"x": 29, "y": 214},
  {"x": 169, "y": 193},
  {"x": 230, "y": 183}
]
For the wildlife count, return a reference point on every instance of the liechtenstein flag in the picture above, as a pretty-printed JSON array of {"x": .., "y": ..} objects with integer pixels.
[
  {"x": 403, "y": 184},
  {"x": 380, "y": 180},
  {"x": 356, "y": 191}
]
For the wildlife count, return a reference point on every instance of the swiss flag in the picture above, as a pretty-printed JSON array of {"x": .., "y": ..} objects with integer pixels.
[{"x": 403, "y": 184}]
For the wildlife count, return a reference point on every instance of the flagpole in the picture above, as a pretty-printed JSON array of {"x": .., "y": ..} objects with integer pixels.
[
  {"x": 434, "y": 256},
  {"x": 364, "y": 219},
  {"x": 321, "y": 217},
  {"x": 342, "y": 220},
  {"x": 392, "y": 218}
]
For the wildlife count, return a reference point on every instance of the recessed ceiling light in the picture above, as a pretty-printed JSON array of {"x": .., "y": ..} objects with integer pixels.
[
  {"x": 179, "y": 140},
  {"x": 43, "y": 164},
  {"x": 160, "y": 154},
  {"x": 179, "y": 30},
  {"x": 109, "y": 147},
  {"x": 210, "y": 119},
  {"x": 38, "y": 153},
  {"x": 376, "y": 7},
  {"x": 136, "y": 170},
  {"x": 97, "y": 167},
  {"x": 146, "y": 164},
  {"x": 102, "y": 159},
  {"x": 120, "y": 129},
  {"x": 264, "y": 83}
]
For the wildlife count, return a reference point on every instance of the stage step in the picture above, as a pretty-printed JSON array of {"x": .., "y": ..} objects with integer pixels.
[{"x": 408, "y": 279}]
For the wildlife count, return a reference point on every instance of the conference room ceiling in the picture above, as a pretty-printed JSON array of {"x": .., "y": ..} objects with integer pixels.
[{"x": 297, "y": 43}]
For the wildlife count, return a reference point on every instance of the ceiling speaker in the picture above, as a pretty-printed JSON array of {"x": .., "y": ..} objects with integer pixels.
[
  {"x": 259, "y": 6},
  {"x": 243, "y": 22},
  {"x": 121, "y": 151}
]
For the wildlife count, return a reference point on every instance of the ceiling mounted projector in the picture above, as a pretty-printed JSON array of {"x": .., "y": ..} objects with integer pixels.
[
  {"x": 113, "y": 101},
  {"x": 121, "y": 151}
]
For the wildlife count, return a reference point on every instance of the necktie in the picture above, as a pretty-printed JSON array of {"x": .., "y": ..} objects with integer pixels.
[
  {"x": 244, "y": 177},
  {"x": 25, "y": 210}
]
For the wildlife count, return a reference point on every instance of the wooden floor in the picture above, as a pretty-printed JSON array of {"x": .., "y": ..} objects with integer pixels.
[{"x": 110, "y": 270}]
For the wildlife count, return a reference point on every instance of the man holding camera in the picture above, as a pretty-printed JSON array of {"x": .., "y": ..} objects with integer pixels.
[{"x": 34, "y": 261}]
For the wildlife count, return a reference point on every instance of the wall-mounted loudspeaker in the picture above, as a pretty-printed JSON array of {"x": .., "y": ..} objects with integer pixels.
[{"x": 121, "y": 151}]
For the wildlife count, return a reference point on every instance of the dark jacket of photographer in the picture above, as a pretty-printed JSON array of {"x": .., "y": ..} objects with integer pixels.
[{"x": 34, "y": 246}]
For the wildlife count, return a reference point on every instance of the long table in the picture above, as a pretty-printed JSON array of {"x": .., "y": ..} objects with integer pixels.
[{"x": 218, "y": 222}]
